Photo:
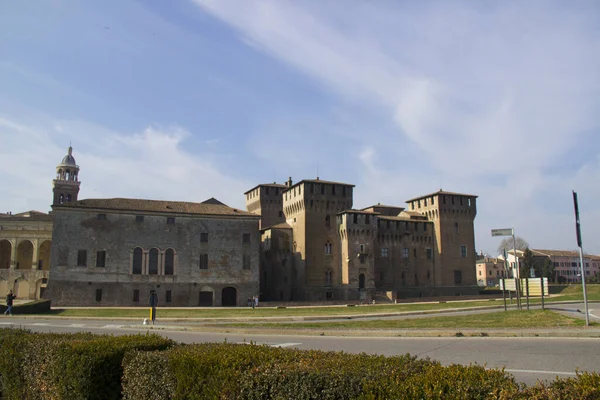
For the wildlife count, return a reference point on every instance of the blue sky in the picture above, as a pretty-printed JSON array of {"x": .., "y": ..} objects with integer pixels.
[{"x": 192, "y": 99}]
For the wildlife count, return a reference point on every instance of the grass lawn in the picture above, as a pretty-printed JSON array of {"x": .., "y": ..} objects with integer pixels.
[
  {"x": 573, "y": 292},
  {"x": 509, "y": 319}
]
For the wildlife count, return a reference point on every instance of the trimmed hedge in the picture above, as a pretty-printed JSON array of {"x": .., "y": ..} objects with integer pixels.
[
  {"x": 87, "y": 366},
  {"x": 33, "y": 307},
  {"x": 68, "y": 366}
]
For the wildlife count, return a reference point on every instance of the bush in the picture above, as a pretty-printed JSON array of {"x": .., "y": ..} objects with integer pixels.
[
  {"x": 145, "y": 376},
  {"x": 586, "y": 386}
]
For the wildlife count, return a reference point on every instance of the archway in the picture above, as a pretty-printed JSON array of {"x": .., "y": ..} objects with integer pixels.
[
  {"x": 361, "y": 281},
  {"x": 206, "y": 296},
  {"x": 5, "y": 254},
  {"x": 22, "y": 289},
  {"x": 229, "y": 297},
  {"x": 24, "y": 255},
  {"x": 40, "y": 288},
  {"x": 44, "y": 256}
]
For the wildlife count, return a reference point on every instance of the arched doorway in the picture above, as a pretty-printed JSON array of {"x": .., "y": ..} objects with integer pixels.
[
  {"x": 229, "y": 297},
  {"x": 40, "y": 288},
  {"x": 206, "y": 296},
  {"x": 22, "y": 289},
  {"x": 25, "y": 255},
  {"x": 5, "y": 254},
  {"x": 44, "y": 256},
  {"x": 361, "y": 281}
]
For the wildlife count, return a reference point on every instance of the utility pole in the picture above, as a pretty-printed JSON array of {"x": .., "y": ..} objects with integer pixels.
[{"x": 581, "y": 264}]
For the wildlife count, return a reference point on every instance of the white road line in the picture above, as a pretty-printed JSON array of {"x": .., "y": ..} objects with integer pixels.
[
  {"x": 39, "y": 324},
  {"x": 534, "y": 371},
  {"x": 77, "y": 325},
  {"x": 6, "y": 323},
  {"x": 285, "y": 344},
  {"x": 112, "y": 326}
]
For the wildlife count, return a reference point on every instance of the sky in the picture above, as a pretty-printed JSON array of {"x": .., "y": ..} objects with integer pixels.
[{"x": 191, "y": 99}]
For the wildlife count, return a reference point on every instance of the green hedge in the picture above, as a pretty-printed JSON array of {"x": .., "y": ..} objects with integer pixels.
[
  {"x": 33, "y": 307},
  {"x": 67, "y": 366}
]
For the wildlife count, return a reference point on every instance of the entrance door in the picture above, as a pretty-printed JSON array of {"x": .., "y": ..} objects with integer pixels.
[
  {"x": 361, "y": 281},
  {"x": 205, "y": 299},
  {"x": 229, "y": 297}
]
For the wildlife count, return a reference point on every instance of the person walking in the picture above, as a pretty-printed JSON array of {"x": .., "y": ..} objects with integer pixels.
[{"x": 9, "y": 302}]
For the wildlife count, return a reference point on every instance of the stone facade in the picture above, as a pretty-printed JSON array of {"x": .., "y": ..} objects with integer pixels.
[
  {"x": 25, "y": 242},
  {"x": 113, "y": 252},
  {"x": 326, "y": 250}
]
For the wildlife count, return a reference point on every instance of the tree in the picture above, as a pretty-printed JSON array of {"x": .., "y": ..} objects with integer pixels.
[
  {"x": 527, "y": 264},
  {"x": 507, "y": 243},
  {"x": 547, "y": 270}
]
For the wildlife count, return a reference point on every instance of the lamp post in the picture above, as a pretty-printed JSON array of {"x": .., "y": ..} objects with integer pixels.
[{"x": 581, "y": 264}]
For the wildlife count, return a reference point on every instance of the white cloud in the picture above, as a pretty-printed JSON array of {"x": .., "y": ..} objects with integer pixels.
[
  {"x": 492, "y": 95},
  {"x": 152, "y": 164}
]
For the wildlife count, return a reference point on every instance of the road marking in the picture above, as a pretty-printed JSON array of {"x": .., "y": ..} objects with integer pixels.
[
  {"x": 40, "y": 324},
  {"x": 534, "y": 371},
  {"x": 112, "y": 326},
  {"x": 6, "y": 323},
  {"x": 77, "y": 325},
  {"x": 285, "y": 344}
]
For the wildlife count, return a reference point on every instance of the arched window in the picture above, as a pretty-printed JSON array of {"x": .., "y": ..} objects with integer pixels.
[
  {"x": 68, "y": 198},
  {"x": 137, "y": 261},
  {"x": 61, "y": 198},
  {"x": 328, "y": 278},
  {"x": 153, "y": 262},
  {"x": 169, "y": 261},
  {"x": 328, "y": 248},
  {"x": 456, "y": 227},
  {"x": 361, "y": 281},
  {"x": 327, "y": 221}
]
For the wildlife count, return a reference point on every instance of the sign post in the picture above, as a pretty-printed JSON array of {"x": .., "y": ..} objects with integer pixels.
[
  {"x": 153, "y": 300},
  {"x": 581, "y": 264},
  {"x": 511, "y": 232}
]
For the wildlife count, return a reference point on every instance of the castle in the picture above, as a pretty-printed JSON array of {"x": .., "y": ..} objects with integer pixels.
[{"x": 300, "y": 241}]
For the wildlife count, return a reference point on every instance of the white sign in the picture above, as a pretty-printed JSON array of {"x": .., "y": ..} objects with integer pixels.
[{"x": 502, "y": 232}]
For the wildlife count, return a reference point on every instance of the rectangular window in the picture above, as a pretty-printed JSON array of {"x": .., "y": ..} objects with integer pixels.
[
  {"x": 203, "y": 261},
  {"x": 136, "y": 296},
  {"x": 246, "y": 262},
  {"x": 457, "y": 277},
  {"x": 424, "y": 226},
  {"x": 170, "y": 220},
  {"x": 355, "y": 217},
  {"x": 246, "y": 238},
  {"x": 98, "y": 295},
  {"x": 168, "y": 296},
  {"x": 101, "y": 217},
  {"x": 204, "y": 237},
  {"x": 139, "y": 218},
  {"x": 101, "y": 258},
  {"x": 404, "y": 253},
  {"x": 415, "y": 252},
  {"x": 384, "y": 252},
  {"x": 82, "y": 258},
  {"x": 333, "y": 190},
  {"x": 463, "y": 251},
  {"x": 322, "y": 189},
  {"x": 367, "y": 219},
  {"x": 429, "y": 254}
]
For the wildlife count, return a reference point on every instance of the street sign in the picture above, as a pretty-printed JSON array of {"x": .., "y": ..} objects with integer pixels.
[
  {"x": 535, "y": 286},
  {"x": 502, "y": 232},
  {"x": 508, "y": 284}
]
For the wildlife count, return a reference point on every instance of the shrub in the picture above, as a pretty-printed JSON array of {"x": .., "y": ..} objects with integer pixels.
[
  {"x": 586, "y": 386},
  {"x": 146, "y": 376}
]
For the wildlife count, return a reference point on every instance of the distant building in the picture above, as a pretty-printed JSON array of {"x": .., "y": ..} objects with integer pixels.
[
  {"x": 489, "y": 271},
  {"x": 566, "y": 264}
]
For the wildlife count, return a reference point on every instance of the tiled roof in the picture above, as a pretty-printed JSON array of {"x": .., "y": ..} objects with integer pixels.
[
  {"x": 352, "y": 211},
  {"x": 441, "y": 192},
  {"x": 555, "y": 253},
  {"x": 170, "y": 207},
  {"x": 282, "y": 225},
  {"x": 27, "y": 216}
]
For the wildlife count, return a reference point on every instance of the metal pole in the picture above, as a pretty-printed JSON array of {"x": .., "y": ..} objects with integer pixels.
[
  {"x": 527, "y": 291},
  {"x": 582, "y": 265},
  {"x": 504, "y": 292},
  {"x": 587, "y": 314},
  {"x": 518, "y": 282},
  {"x": 542, "y": 279}
]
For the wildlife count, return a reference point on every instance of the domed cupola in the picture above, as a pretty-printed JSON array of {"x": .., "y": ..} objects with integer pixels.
[{"x": 66, "y": 184}]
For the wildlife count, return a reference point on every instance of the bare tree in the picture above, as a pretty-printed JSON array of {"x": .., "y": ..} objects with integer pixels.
[{"x": 507, "y": 243}]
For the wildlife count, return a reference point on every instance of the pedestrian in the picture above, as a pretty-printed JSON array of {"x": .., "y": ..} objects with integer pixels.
[
  {"x": 255, "y": 301},
  {"x": 9, "y": 302}
]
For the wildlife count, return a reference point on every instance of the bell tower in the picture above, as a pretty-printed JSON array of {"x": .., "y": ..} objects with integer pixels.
[{"x": 66, "y": 185}]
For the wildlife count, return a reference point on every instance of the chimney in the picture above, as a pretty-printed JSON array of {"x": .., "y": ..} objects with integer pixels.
[{"x": 289, "y": 182}]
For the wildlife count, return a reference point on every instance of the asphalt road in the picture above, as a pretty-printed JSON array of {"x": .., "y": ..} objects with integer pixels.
[{"x": 528, "y": 359}]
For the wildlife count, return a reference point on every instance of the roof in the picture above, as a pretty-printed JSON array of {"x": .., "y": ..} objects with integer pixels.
[
  {"x": 212, "y": 200},
  {"x": 162, "y": 206},
  {"x": 274, "y": 184},
  {"x": 556, "y": 253},
  {"x": 27, "y": 216},
  {"x": 352, "y": 211},
  {"x": 441, "y": 192},
  {"x": 282, "y": 225},
  {"x": 69, "y": 159},
  {"x": 413, "y": 214},
  {"x": 319, "y": 181}
]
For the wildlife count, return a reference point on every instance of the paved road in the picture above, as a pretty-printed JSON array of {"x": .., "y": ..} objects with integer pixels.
[{"x": 528, "y": 359}]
